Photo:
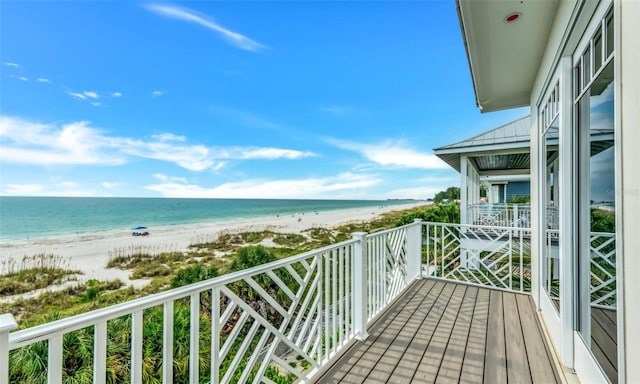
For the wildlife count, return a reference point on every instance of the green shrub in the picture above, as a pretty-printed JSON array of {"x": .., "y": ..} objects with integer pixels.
[
  {"x": 439, "y": 213},
  {"x": 250, "y": 257},
  {"x": 193, "y": 274}
]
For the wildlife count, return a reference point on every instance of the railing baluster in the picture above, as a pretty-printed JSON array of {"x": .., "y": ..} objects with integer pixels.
[
  {"x": 327, "y": 303},
  {"x": 360, "y": 286},
  {"x": 194, "y": 339},
  {"x": 382, "y": 255},
  {"x": 100, "y": 353},
  {"x": 167, "y": 343},
  {"x": 348, "y": 291},
  {"x": 136, "y": 347},
  {"x": 341, "y": 282},
  {"x": 334, "y": 300},
  {"x": 521, "y": 232},
  {"x": 319, "y": 350},
  {"x": 54, "y": 370},
  {"x": 215, "y": 335},
  {"x": 510, "y": 260}
]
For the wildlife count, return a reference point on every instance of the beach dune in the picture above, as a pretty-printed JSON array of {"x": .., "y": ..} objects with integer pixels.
[{"x": 89, "y": 253}]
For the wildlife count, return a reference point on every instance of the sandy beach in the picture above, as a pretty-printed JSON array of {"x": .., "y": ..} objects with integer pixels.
[{"x": 89, "y": 253}]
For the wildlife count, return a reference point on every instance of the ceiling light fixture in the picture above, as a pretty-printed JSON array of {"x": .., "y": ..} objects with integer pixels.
[{"x": 513, "y": 17}]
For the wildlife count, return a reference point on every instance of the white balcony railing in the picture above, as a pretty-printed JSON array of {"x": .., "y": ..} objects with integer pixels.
[
  {"x": 491, "y": 256},
  {"x": 508, "y": 215},
  {"x": 282, "y": 320}
]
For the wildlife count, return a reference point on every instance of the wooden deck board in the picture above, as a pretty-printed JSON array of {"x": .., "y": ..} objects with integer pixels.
[
  {"x": 517, "y": 363},
  {"x": 495, "y": 367},
  {"x": 447, "y": 333},
  {"x": 473, "y": 363},
  {"x": 537, "y": 354},
  {"x": 451, "y": 365},
  {"x": 354, "y": 359},
  {"x": 398, "y": 348},
  {"x": 404, "y": 370},
  {"x": 433, "y": 355}
]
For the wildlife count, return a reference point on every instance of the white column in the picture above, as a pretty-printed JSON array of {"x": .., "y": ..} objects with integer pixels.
[
  {"x": 7, "y": 324},
  {"x": 464, "y": 195},
  {"x": 414, "y": 251},
  {"x": 360, "y": 299}
]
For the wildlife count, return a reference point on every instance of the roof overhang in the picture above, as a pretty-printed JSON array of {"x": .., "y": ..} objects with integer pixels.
[{"x": 504, "y": 57}]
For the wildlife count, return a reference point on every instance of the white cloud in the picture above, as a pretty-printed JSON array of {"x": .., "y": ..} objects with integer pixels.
[
  {"x": 339, "y": 186},
  {"x": 77, "y": 95},
  {"x": 157, "y": 93},
  {"x": 78, "y": 143},
  {"x": 43, "y": 80},
  {"x": 116, "y": 94},
  {"x": 88, "y": 96},
  {"x": 169, "y": 137},
  {"x": 9, "y": 64},
  {"x": 40, "y": 144},
  {"x": 22, "y": 78},
  {"x": 231, "y": 37},
  {"x": 271, "y": 153},
  {"x": 66, "y": 188},
  {"x": 110, "y": 184},
  {"x": 392, "y": 154}
]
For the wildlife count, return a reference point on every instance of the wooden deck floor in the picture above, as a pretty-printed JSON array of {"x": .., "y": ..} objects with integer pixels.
[
  {"x": 604, "y": 344},
  {"x": 440, "y": 332}
]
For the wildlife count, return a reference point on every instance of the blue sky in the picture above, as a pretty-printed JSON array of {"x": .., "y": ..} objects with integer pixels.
[{"x": 233, "y": 99}]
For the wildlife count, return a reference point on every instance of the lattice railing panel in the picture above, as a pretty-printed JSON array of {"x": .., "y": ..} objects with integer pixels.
[{"x": 497, "y": 257}]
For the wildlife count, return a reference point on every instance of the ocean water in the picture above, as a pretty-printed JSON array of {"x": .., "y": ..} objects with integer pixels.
[{"x": 24, "y": 218}]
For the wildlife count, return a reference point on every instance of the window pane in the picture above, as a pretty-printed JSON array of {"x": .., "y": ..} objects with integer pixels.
[
  {"x": 609, "y": 32},
  {"x": 576, "y": 81},
  {"x": 551, "y": 260},
  {"x": 597, "y": 51},
  {"x": 586, "y": 67},
  {"x": 597, "y": 249}
]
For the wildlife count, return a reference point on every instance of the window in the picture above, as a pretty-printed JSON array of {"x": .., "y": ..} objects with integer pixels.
[
  {"x": 550, "y": 118},
  {"x": 595, "y": 196}
]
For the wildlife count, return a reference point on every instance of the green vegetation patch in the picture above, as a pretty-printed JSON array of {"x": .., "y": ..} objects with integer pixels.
[
  {"x": 289, "y": 239},
  {"x": 33, "y": 272}
]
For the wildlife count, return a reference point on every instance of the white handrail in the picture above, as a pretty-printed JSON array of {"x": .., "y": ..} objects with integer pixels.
[{"x": 315, "y": 317}]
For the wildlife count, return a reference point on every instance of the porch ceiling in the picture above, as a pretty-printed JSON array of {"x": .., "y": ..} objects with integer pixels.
[
  {"x": 505, "y": 147},
  {"x": 504, "y": 56}
]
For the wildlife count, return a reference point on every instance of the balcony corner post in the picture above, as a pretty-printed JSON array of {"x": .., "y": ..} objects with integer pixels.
[
  {"x": 414, "y": 251},
  {"x": 7, "y": 324},
  {"x": 360, "y": 294}
]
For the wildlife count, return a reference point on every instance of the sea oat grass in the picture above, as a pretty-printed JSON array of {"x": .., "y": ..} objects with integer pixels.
[{"x": 33, "y": 272}]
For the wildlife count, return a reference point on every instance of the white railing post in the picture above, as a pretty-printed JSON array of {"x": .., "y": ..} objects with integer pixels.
[
  {"x": 360, "y": 297},
  {"x": 414, "y": 251},
  {"x": 516, "y": 218},
  {"x": 7, "y": 324}
]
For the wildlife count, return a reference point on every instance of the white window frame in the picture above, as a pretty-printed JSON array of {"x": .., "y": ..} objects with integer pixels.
[{"x": 587, "y": 368}]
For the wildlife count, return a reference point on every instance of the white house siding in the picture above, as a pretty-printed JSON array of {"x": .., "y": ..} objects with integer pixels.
[{"x": 627, "y": 60}]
